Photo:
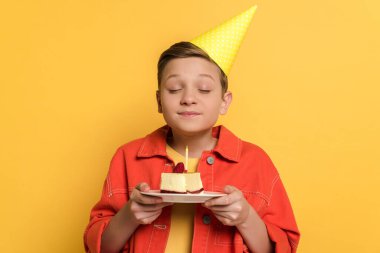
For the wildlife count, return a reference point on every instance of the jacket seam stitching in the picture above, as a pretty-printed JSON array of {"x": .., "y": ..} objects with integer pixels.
[{"x": 275, "y": 180}]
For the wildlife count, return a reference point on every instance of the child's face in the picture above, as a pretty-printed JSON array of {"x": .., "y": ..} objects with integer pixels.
[{"x": 190, "y": 96}]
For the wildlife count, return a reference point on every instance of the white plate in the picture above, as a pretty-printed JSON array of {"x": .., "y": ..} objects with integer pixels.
[{"x": 184, "y": 197}]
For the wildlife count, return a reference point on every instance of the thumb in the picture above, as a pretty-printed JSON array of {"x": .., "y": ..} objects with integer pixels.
[
  {"x": 144, "y": 187},
  {"x": 229, "y": 189}
]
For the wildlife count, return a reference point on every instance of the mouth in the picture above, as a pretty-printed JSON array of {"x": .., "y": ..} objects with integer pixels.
[{"x": 189, "y": 114}]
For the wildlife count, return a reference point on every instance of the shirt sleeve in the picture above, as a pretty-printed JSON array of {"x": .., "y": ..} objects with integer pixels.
[
  {"x": 279, "y": 219},
  {"x": 113, "y": 198}
]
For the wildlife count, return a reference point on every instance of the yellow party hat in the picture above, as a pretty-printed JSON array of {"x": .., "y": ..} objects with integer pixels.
[{"x": 223, "y": 42}]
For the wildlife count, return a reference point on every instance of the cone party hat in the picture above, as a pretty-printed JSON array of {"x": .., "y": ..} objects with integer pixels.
[{"x": 222, "y": 43}]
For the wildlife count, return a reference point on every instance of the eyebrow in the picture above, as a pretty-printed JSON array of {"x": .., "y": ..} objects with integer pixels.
[
  {"x": 170, "y": 76},
  {"x": 202, "y": 75},
  {"x": 207, "y": 75}
]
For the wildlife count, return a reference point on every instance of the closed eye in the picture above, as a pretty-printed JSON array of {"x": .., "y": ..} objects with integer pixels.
[
  {"x": 204, "y": 91},
  {"x": 173, "y": 91}
]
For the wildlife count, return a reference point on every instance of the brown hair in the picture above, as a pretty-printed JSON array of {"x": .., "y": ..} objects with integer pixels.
[{"x": 183, "y": 50}]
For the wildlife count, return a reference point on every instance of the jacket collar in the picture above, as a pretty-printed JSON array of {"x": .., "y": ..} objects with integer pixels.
[{"x": 228, "y": 146}]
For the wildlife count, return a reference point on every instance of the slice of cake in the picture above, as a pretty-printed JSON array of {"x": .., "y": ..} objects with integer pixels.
[
  {"x": 193, "y": 182},
  {"x": 181, "y": 182}
]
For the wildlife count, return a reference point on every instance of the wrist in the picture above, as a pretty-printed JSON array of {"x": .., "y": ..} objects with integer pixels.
[{"x": 128, "y": 216}]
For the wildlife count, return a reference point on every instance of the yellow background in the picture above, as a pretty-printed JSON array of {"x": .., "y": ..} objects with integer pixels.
[{"x": 78, "y": 80}]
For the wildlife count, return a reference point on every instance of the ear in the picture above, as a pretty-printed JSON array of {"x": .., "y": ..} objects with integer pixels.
[
  {"x": 158, "y": 99},
  {"x": 227, "y": 99}
]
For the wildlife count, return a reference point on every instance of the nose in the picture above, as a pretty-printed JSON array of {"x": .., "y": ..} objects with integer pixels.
[{"x": 188, "y": 97}]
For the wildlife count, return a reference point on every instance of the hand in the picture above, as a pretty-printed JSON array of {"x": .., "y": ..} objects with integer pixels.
[
  {"x": 231, "y": 209},
  {"x": 144, "y": 209}
]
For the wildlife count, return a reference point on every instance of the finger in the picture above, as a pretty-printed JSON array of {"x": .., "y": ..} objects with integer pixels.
[
  {"x": 165, "y": 204},
  {"x": 228, "y": 208},
  {"x": 233, "y": 195},
  {"x": 229, "y": 189},
  {"x": 233, "y": 216},
  {"x": 225, "y": 220},
  {"x": 223, "y": 200},
  {"x": 136, "y": 207},
  {"x": 150, "y": 219},
  {"x": 143, "y": 199},
  {"x": 144, "y": 187},
  {"x": 149, "y": 216},
  {"x": 225, "y": 215},
  {"x": 156, "y": 207}
]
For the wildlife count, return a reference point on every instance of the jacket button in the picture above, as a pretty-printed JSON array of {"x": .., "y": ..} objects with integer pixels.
[
  {"x": 210, "y": 160},
  {"x": 206, "y": 219}
]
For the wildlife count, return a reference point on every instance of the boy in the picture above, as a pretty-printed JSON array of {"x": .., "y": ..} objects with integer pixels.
[{"x": 254, "y": 215}]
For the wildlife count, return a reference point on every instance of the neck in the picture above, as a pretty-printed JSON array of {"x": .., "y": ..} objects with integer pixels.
[{"x": 196, "y": 143}]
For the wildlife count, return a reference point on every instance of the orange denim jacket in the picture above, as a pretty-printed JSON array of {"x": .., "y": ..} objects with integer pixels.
[{"x": 232, "y": 161}]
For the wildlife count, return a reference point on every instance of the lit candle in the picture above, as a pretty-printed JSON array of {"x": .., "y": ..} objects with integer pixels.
[{"x": 186, "y": 157}]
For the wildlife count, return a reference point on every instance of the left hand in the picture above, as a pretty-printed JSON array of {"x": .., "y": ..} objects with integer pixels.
[{"x": 231, "y": 209}]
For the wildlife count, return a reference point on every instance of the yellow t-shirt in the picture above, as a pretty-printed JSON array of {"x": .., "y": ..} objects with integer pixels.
[{"x": 182, "y": 219}]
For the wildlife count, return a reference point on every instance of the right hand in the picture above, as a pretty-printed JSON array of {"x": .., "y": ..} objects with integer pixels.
[{"x": 144, "y": 209}]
